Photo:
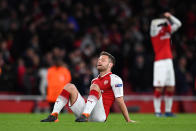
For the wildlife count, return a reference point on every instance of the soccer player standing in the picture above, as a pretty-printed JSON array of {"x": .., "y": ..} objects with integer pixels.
[
  {"x": 104, "y": 90},
  {"x": 160, "y": 32}
]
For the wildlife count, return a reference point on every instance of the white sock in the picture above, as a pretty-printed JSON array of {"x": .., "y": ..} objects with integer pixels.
[
  {"x": 59, "y": 104},
  {"x": 91, "y": 102},
  {"x": 168, "y": 103},
  {"x": 157, "y": 104}
]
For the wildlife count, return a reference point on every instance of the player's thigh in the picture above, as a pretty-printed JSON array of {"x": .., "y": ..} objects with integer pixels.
[
  {"x": 78, "y": 106},
  {"x": 98, "y": 114},
  {"x": 170, "y": 74},
  {"x": 71, "y": 88},
  {"x": 159, "y": 74}
]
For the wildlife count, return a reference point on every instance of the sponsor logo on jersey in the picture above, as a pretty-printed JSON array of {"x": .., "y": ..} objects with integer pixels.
[
  {"x": 166, "y": 36},
  {"x": 90, "y": 101},
  {"x": 118, "y": 85},
  {"x": 106, "y": 82}
]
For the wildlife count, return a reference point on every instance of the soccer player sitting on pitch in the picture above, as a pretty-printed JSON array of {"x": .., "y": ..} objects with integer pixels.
[
  {"x": 160, "y": 31},
  {"x": 104, "y": 90}
]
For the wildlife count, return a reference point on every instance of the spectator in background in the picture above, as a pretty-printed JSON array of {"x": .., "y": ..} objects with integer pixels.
[
  {"x": 193, "y": 70},
  {"x": 21, "y": 69},
  {"x": 93, "y": 66},
  {"x": 58, "y": 76},
  {"x": 5, "y": 52},
  {"x": 181, "y": 80},
  {"x": 30, "y": 78},
  {"x": 140, "y": 75},
  {"x": 7, "y": 74},
  {"x": 43, "y": 71}
]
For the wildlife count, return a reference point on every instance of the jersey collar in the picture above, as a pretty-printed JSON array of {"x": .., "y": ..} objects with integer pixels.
[{"x": 109, "y": 73}]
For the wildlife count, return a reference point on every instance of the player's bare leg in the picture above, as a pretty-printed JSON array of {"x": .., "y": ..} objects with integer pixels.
[
  {"x": 169, "y": 91},
  {"x": 92, "y": 100},
  {"x": 157, "y": 101},
  {"x": 69, "y": 93}
]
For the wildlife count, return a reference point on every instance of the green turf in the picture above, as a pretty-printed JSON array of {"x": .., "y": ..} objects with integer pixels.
[{"x": 115, "y": 122}]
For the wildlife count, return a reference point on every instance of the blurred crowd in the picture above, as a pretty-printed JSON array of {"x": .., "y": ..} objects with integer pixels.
[{"x": 33, "y": 31}]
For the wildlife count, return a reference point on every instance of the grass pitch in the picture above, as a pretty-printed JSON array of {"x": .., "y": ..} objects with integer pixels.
[{"x": 115, "y": 122}]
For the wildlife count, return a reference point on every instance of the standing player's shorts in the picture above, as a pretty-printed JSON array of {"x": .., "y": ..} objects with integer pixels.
[
  {"x": 163, "y": 73},
  {"x": 97, "y": 114}
]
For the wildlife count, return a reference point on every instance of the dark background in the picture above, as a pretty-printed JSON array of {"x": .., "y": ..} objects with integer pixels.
[{"x": 32, "y": 31}]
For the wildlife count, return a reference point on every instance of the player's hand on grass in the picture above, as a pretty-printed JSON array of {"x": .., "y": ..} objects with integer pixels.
[{"x": 132, "y": 121}]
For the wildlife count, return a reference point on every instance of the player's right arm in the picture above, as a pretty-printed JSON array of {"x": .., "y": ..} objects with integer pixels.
[{"x": 175, "y": 21}]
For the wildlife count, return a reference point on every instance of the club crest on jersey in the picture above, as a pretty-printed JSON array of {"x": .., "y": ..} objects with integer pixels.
[
  {"x": 118, "y": 85},
  {"x": 106, "y": 82}
]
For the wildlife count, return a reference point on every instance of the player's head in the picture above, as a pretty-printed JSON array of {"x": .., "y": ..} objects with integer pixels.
[
  {"x": 159, "y": 22},
  {"x": 105, "y": 61},
  {"x": 57, "y": 60}
]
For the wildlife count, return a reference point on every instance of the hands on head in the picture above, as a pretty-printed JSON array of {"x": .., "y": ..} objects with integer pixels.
[{"x": 167, "y": 14}]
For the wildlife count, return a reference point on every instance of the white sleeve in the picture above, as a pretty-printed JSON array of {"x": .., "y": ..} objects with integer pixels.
[
  {"x": 154, "y": 30},
  {"x": 117, "y": 85},
  {"x": 175, "y": 24}
]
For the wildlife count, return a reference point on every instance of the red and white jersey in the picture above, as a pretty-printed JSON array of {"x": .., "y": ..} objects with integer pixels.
[
  {"x": 160, "y": 32},
  {"x": 161, "y": 43},
  {"x": 111, "y": 87}
]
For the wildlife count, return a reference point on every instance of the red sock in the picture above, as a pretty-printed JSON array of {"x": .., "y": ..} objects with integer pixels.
[
  {"x": 157, "y": 94},
  {"x": 94, "y": 93},
  {"x": 65, "y": 94},
  {"x": 169, "y": 93}
]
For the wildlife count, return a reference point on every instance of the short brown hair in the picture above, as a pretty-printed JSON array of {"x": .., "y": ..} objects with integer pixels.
[{"x": 111, "y": 57}]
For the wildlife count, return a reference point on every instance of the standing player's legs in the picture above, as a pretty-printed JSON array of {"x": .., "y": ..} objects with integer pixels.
[
  {"x": 169, "y": 91},
  {"x": 157, "y": 100},
  {"x": 169, "y": 99},
  {"x": 159, "y": 74}
]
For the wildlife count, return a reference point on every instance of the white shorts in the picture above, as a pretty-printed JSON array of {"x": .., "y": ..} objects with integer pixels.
[
  {"x": 163, "y": 73},
  {"x": 97, "y": 114}
]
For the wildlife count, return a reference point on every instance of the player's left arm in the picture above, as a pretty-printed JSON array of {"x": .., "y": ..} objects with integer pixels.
[
  {"x": 175, "y": 21},
  {"x": 123, "y": 108},
  {"x": 117, "y": 87}
]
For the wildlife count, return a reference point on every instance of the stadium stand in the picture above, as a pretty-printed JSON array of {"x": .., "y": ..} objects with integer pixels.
[{"x": 31, "y": 31}]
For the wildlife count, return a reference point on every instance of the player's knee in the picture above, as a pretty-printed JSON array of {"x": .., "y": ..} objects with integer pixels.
[
  {"x": 95, "y": 87},
  {"x": 170, "y": 88},
  {"x": 157, "y": 93},
  {"x": 69, "y": 86},
  {"x": 159, "y": 89}
]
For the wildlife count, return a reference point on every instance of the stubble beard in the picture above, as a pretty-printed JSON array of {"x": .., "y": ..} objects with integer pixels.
[{"x": 103, "y": 69}]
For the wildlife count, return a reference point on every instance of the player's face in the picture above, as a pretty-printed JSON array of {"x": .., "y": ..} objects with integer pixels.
[{"x": 103, "y": 63}]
